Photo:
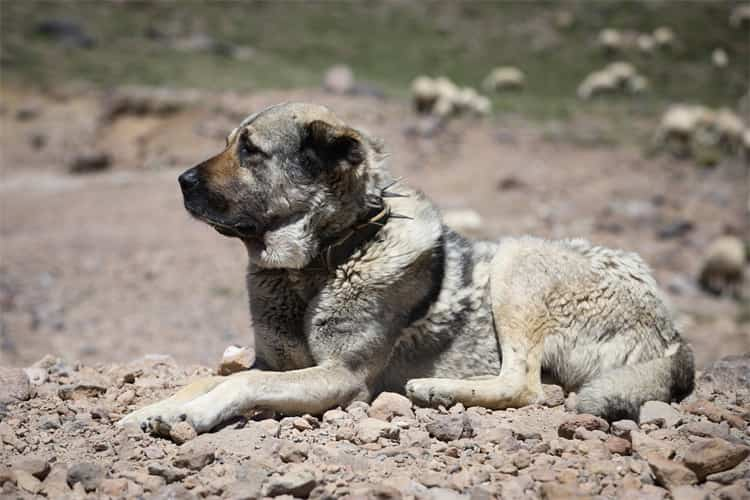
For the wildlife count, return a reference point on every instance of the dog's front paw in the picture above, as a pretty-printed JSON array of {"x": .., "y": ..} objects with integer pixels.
[
  {"x": 156, "y": 419},
  {"x": 430, "y": 392}
]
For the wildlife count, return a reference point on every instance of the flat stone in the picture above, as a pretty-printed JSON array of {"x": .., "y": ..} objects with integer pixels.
[
  {"x": 659, "y": 412},
  {"x": 706, "y": 429},
  {"x": 170, "y": 474},
  {"x": 619, "y": 445},
  {"x": 27, "y": 482},
  {"x": 713, "y": 455},
  {"x": 623, "y": 428},
  {"x": 290, "y": 452},
  {"x": 553, "y": 395},
  {"x": 645, "y": 445},
  {"x": 81, "y": 390},
  {"x": 589, "y": 422}
]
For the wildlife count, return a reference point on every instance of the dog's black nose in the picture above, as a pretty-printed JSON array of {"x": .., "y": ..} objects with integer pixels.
[{"x": 188, "y": 179}]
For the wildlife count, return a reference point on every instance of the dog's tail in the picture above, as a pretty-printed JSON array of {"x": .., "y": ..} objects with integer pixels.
[{"x": 619, "y": 393}]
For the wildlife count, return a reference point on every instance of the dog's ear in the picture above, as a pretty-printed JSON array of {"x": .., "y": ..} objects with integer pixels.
[{"x": 333, "y": 144}]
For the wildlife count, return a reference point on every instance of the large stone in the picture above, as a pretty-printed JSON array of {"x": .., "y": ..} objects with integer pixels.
[
  {"x": 14, "y": 385},
  {"x": 389, "y": 404},
  {"x": 450, "y": 427},
  {"x": 670, "y": 474},
  {"x": 646, "y": 445},
  {"x": 370, "y": 430},
  {"x": 88, "y": 474},
  {"x": 713, "y": 455},
  {"x": 659, "y": 412},
  {"x": 589, "y": 422},
  {"x": 55, "y": 484},
  {"x": 27, "y": 482}
]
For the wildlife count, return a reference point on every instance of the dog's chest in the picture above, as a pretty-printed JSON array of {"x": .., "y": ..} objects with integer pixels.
[{"x": 307, "y": 283}]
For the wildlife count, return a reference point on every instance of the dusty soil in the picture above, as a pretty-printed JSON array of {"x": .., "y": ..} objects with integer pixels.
[{"x": 104, "y": 270}]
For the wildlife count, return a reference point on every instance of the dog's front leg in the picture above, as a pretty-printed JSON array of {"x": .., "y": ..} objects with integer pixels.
[{"x": 309, "y": 390}]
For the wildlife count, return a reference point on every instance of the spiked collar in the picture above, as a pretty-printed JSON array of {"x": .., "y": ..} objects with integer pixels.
[{"x": 337, "y": 250}]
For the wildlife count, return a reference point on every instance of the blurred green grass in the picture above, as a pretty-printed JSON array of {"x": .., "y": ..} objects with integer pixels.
[{"x": 386, "y": 43}]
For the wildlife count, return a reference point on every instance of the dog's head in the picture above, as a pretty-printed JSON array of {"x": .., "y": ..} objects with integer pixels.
[{"x": 290, "y": 177}]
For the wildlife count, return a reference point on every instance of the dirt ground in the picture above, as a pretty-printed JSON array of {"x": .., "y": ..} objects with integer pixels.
[{"x": 107, "y": 267}]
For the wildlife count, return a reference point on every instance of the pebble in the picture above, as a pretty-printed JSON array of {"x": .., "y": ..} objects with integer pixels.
[
  {"x": 623, "y": 428},
  {"x": 182, "y": 432},
  {"x": 619, "y": 445},
  {"x": 370, "y": 430},
  {"x": 194, "y": 457}
]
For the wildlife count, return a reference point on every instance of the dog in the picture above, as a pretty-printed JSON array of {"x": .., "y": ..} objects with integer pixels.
[{"x": 357, "y": 287}]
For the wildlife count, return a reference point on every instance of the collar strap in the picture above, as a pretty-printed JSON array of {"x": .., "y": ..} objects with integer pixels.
[{"x": 336, "y": 253}]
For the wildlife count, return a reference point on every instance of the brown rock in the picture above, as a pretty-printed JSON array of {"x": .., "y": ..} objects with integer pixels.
[
  {"x": 669, "y": 473},
  {"x": 618, "y": 445},
  {"x": 589, "y": 422},
  {"x": 714, "y": 413},
  {"x": 713, "y": 455},
  {"x": 389, "y": 404},
  {"x": 90, "y": 162},
  {"x": 736, "y": 491},
  {"x": 14, "y": 385},
  {"x": 114, "y": 487},
  {"x": 236, "y": 359}
]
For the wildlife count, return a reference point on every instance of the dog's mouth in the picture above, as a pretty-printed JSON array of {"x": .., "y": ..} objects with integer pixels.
[{"x": 244, "y": 229}]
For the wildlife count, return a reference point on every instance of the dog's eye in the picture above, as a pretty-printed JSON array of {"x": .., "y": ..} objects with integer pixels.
[{"x": 247, "y": 149}]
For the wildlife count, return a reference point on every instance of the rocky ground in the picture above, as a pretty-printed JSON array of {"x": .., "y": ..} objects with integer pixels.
[{"x": 58, "y": 439}]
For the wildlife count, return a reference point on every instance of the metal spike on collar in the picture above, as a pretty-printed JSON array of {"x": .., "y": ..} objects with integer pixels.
[
  {"x": 395, "y": 215},
  {"x": 384, "y": 193}
]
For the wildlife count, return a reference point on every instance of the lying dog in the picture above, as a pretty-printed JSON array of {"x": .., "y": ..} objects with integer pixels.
[{"x": 356, "y": 287}]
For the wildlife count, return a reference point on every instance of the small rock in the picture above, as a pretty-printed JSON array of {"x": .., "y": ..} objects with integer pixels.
[
  {"x": 27, "y": 482},
  {"x": 194, "y": 457},
  {"x": 81, "y": 390},
  {"x": 713, "y": 455},
  {"x": 714, "y": 413},
  {"x": 236, "y": 359},
  {"x": 290, "y": 452},
  {"x": 389, "y": 404},
  {"x": 706, "y": 429},
  {"x": 669, "y": 473},
  {"x": 339, "y": 79},
  {"x": 335, "y": 416},
  {"x": 153, "y": 452},
  {"x": 301, "y": 424},
  {"x": 56, "y": 483},
  {"x": 117, "y": 488},
  {"x": 174, "y": 492},
  {"x": 37, "y": 376},
  {"x": 37, "y": 467},
  {"x": 686, "y": 492},
  {"x": 90, "y": 162},
  {"x": 126, "y": 397},
  {"x": 298, "y": 483},
  {"x": 623, "y": 428},
  {"x": 88, "y": 474},
  {"x": 553, "y": 395},
  {"x": 14, "y": 385},
  {"x": 50, "y": 422},
  {"x": 450, "y": 427},
  {"x": 659, "y": 412},
  {"x": 243, "y": 490},
  {"x": 563, "y": 491},
  {"x": 370, "y": 430},
  {"x": 618, "y": 445},
  {"x": 182, "y": 432},
  {"x": 589, "y": 422},
  {"x": 645, "y": 445}
]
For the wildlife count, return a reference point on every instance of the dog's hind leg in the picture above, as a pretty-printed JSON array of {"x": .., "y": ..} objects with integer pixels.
[{"x": 517, "y": 285}]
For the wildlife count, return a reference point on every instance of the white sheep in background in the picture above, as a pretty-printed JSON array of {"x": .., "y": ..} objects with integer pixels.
[
  {"x": 665, "y": 38},
  {"x": 610, "y": 40},
  {"x": 617, "y": 77},
  {"x": 504, "y": 78},
  {"x": 720, "y": 58},
  {"x": 442, "y": 98}
]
